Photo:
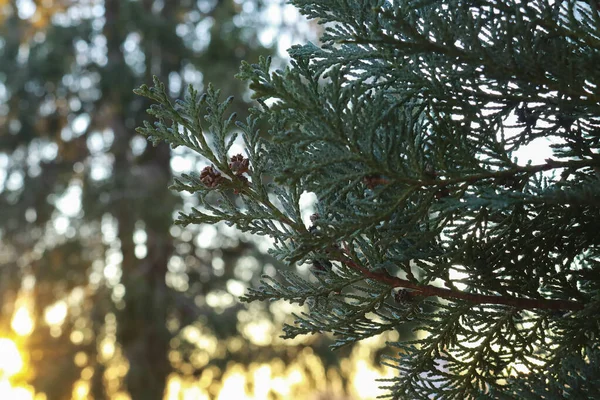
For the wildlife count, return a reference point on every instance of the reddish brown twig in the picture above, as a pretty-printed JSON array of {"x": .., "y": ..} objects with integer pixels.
[{"x": 428, "y": 290}]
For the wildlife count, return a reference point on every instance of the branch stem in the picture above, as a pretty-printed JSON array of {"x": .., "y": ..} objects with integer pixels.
[
  {"x": 507, "y": 173},
  {"x": 428, "y": 290}
]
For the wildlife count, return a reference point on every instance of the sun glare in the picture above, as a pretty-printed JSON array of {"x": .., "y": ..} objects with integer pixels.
[
  {"x": 302, "y": 379},
  {"x": 305, "y": 378},
  {"x": 10, "y": 362},
  {"x": 21, "y": 322},
  {"x": 56, "y": 313}
]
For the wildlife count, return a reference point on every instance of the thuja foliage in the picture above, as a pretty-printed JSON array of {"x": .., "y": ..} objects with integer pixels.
[{"x": 406, "y": 124}]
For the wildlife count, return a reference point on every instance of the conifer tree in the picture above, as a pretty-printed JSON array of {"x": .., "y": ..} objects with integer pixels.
[{"x": 406, "y": 124}]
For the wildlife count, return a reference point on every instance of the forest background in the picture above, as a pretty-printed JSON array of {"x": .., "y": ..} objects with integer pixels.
[{"x": 101, "y": 295}]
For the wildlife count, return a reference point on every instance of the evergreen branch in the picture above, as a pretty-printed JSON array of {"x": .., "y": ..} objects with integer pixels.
[
  {"x": 449, "y": 294},
  {"x": 501, "y": 175},
  {"x": 405, "y": 124}
]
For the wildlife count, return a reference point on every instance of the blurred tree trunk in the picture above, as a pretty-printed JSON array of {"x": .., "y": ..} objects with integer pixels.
[{"x": 143, "y": 324}]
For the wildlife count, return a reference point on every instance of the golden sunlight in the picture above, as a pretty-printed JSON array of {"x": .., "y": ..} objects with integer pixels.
[
  {"x": 22, "y": 323},
  {"x": 11, "y": 364},
  {"x": 56, "y": 313},
  {"x": 304, "y": 379}
]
